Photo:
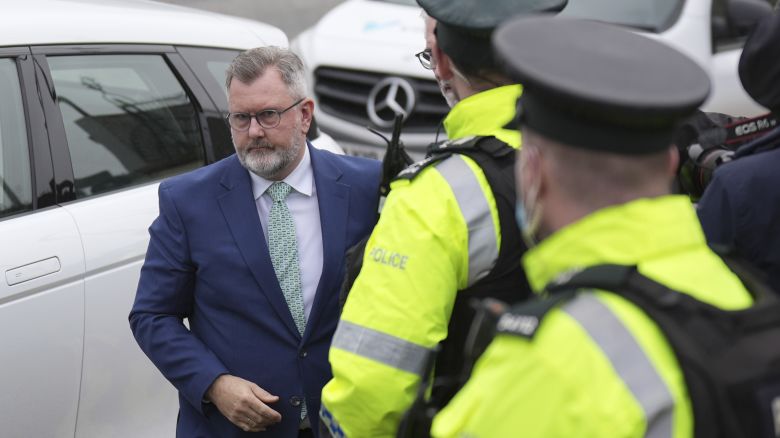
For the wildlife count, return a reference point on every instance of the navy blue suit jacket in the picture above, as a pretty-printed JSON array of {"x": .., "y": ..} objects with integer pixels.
[
  {"x": 740, "y": 208},
  {"x": 208, "y": 262}
]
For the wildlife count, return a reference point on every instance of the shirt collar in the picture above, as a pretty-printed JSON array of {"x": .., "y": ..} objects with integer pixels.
[{"x": 301, "y": 179}]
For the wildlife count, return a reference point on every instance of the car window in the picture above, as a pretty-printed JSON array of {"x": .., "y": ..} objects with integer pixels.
[
  {"x": 648, "y": 15},
  {"x": 127, "y": 120},
  {"x": 210, "y": 65},
  {"x": 16, "y": 193}
]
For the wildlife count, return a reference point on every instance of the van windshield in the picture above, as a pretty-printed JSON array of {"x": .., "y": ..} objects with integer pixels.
[{"x": 648, "y": 15}]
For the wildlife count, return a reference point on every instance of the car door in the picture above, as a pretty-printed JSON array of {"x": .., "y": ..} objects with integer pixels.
[
  {"x": 126, "y": 121},
  {"x": 42, "y": 265}
]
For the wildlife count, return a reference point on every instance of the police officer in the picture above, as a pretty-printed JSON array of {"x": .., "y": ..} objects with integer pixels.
[
  {"x": 740, "y": 208},
  {"x": 598, "y": 111},
  {"x": 446, "y": 233}
]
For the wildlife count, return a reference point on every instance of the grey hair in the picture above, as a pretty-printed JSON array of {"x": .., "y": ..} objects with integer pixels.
[{"x": 251, "y": 64}]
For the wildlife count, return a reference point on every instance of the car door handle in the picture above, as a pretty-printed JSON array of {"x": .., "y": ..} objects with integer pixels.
[{"x": 32, "y": 270}]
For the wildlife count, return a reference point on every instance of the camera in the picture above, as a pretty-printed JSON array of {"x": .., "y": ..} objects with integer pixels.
[{"x": 708, "y": 140}]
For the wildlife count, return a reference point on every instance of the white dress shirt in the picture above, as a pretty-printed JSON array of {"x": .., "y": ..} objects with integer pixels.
[{"x": 302, "y": 202}]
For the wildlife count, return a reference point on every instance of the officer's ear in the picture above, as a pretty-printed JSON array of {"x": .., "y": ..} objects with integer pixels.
[
  {"x": 443, "y": 64},
  {"x": 528, "y": 167}
]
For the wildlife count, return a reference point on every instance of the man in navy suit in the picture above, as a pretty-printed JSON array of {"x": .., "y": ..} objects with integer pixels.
[{"x": 250, "y": 250}]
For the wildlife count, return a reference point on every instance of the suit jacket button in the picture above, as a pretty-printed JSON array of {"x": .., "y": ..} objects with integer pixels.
[
  {"x": 295, "y": 401},
  {"x": 303, "y": 353}
]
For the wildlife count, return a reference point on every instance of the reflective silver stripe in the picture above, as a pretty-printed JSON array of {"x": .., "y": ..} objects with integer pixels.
[
  {"x": 483, "y": 246},
  {"x": 381, "y": 347},
  {"x": 335, "y": 431},
  {"x": 629, "y": 361}
]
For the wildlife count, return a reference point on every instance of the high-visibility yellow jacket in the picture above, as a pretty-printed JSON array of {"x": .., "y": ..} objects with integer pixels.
[
  {"x": 438, "y": 233},
  {"x": 597, "y": 366}
]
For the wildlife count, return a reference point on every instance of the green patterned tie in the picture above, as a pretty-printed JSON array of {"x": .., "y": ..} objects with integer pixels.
[
  {"x": 284, "y": 252},
  {"x": 283, "y": 247}
]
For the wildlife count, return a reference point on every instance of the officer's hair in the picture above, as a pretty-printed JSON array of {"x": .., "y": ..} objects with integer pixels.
[
  {"x": 596, "y": 179},
  {"x": 251, "y": 64},
  {"x": 484, "y": 77}
]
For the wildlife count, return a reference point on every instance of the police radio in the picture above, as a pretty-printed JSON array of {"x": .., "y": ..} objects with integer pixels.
[{"x": 709, "y": 140}]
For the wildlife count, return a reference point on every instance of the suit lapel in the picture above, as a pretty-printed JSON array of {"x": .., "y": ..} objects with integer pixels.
[
  {"x": 333, "y": 199},
  {"x": 238, "y": 207}
]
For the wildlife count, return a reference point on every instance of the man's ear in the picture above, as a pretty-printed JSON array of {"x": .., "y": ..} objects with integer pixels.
[{"x": 307, "y": 113}]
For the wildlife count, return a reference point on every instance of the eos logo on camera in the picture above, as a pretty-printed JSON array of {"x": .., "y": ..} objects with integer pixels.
[{"x": 752, "y": 126}]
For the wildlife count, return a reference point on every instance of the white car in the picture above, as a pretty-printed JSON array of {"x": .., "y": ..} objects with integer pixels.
[
  {"x": 101, "y": 100},
  {"x": 361, "y": 55}
]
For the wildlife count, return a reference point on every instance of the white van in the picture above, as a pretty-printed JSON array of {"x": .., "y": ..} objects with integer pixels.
[
  {"x": 101, "y": 100},
  {"x": 364, "y": 47}
]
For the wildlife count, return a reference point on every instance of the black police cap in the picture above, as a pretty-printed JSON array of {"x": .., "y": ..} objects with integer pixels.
[
  {"x": 464, "y": 27},
  {"x": 759, "y": 65},
  {"x": 597, "y": 86}
]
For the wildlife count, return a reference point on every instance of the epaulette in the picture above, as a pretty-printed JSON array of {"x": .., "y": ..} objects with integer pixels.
[
  {"x": 414, "y": 169},
  {"x": 453, "y": 145},
  {"x": 438, "y": 152}
]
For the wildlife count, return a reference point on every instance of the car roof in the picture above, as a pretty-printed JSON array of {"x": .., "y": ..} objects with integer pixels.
[{"x": 50, "y": 22}]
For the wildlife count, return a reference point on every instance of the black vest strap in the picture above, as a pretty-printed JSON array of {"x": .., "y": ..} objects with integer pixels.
[{"x": 711, "y": 344}]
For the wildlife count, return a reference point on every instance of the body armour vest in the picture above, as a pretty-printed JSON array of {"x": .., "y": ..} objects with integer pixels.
[{"x": 505, "y": 282}]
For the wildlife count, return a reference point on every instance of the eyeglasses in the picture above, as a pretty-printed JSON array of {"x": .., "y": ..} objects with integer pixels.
[
  {"x": 268, "y": 119},
  {"x": 426, "y": 59}
]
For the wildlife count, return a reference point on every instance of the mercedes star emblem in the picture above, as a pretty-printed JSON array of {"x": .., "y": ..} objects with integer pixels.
[{"x": 391, "y": 96}]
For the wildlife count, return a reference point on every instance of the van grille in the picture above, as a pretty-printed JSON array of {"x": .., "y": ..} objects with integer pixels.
[{"x": 344, "y": 94}]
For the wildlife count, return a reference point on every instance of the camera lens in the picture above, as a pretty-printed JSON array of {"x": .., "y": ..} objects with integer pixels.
[{"x": 697, "y": 171}]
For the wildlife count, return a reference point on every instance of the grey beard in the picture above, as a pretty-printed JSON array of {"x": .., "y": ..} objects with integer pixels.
[{"x": 269, "y": 162}]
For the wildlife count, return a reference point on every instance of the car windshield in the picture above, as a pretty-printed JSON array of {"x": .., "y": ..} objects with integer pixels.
[{"x": 648, "y": 15}]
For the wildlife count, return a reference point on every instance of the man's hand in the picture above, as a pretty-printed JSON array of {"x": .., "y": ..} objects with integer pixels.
[{"x": 243, "y": 403}]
